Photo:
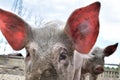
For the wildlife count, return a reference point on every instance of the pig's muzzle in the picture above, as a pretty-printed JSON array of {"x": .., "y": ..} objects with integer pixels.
[{"x": 99, "y": 69}]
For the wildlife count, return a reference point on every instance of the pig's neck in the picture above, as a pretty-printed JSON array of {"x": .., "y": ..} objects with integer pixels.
[{"x": 86, "y": 68}]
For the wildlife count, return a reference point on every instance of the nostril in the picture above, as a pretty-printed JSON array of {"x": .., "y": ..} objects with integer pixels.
[{"x": 99, "y": 69}]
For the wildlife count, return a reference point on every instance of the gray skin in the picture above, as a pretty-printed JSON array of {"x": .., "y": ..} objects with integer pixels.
[
  {"x": 96, "y": 58},
  {"x": 50, "y": 55},
  {"x": 50, "y": 52}
]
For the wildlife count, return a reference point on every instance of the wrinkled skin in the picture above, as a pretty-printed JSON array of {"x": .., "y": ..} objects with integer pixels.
[
  {"x": 94, "y": 62},
  {"x": 55, "y": 62},
  {"x": 50, "y": 49},
  {"x": 47, "y": 64}
]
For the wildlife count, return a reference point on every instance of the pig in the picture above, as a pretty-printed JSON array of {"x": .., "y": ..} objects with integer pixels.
[
  {"x": 94, "y": 62},
  {"x": 50, "y": 49}
]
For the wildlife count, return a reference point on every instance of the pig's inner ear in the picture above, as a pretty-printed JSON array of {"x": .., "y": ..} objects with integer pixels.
[
  {"x": 83, "y": 27},
  {"x": 109, "y": 50},
  {"x": 14, "y": 29}
]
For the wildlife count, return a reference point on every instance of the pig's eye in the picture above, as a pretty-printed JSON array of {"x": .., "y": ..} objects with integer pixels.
[
  {"x": 63, "y": 54},
  {"x": 93, "y": 53}
]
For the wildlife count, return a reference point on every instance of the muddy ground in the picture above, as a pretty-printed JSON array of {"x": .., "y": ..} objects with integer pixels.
[
  {"x": 11, "y": 68},
  {"x": 14, "y": 73}
]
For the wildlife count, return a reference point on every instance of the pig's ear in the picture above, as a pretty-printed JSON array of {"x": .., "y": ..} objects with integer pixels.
[
  {"x": 83, "y": 27},
  {"x": 109, "y": 50},
  {"x": 14, "y": 29}
]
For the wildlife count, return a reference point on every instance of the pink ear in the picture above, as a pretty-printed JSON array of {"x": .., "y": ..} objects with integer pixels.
[
  {"x": 110, "y": 49},
  {"x": 14, "y": 29},
  {"x": 83, "y": 27}
]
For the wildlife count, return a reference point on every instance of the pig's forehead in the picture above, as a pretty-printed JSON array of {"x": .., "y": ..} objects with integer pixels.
[
  {"x": 99, "y": 52},
  {"x": 51, "y": 28},
  {"x": 50, "y": 34},
  {"x": 57, "y": 23}
]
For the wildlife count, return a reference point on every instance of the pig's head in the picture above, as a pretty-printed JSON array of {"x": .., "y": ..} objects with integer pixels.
[
  {"x": 50, "y": 49},
  {"x": 98, "y": 57}
]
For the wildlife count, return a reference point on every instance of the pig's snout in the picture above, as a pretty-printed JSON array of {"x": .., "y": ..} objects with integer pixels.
[{"x": 99, "y": 69}]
